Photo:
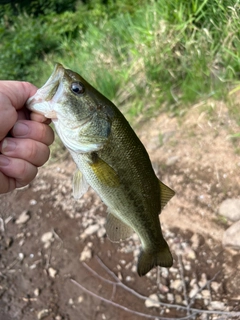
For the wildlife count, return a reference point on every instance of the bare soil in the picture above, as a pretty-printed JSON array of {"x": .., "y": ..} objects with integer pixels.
[{"x": 40, "y": 256}]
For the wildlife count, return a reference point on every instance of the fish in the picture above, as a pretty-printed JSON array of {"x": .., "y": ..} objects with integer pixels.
[{"x": 111, "y": 159}]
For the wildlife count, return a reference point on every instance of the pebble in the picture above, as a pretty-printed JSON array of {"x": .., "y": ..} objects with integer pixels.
[
  {"x": 152, "y": 301},
  {"x": 230, "y": 208},
  {"x": 176, "y": 285},
  {"x": 20, "y": 256},
  {"x": 170, "y": 297},
  {"x": 215, "y": 286},
  {"x": 195, "y": 239},
  {"x": 36, "y": 292},
  {"x": 52, "y": 272},
  {"x": 43, "y": 314},
  {"x": 86, "y": 253},
  {"x": 217, "y": 305},
  {"x": 32, "y": 202},
  {"x": 178, "y": 299},
  {"x": 194, "y": 291},
  {"x": 90, "y": 230},
  {"x": 205, "y": 294},
  {"x": 24, "y": 217},
  {"x": 231, "y": 236},
  {"x": 101, "y": 232},
  {"x": 203, "y": 280},
  {"x": 46, "y": 237}
]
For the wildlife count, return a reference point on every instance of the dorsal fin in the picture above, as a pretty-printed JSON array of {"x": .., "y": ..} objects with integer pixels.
[{"x": 166, "y": 194}]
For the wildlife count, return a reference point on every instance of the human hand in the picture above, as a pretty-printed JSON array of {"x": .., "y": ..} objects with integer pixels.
[{"x": 24, "y": 136}]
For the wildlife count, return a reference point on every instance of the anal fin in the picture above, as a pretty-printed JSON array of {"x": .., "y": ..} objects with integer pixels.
[{"x": 116, "y": 229}]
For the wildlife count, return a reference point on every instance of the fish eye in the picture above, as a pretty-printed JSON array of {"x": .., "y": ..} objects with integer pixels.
[{"x": 77, "y": 88}]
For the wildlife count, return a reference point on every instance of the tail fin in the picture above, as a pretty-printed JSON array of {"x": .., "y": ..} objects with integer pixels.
[{"x": 149, "y": 259}]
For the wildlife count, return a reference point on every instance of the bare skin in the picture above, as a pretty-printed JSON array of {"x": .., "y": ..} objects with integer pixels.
[{"x": 24, "y": 137}]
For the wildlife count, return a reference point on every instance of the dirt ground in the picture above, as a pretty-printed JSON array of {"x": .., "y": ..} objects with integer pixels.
[{"x": 47, "y": 239}]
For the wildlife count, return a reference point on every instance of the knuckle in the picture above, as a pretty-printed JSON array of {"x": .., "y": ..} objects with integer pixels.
[{"x": 32, "y": 153}]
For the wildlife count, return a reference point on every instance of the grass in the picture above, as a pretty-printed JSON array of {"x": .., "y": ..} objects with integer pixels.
[{"x": 154, "y": 57}]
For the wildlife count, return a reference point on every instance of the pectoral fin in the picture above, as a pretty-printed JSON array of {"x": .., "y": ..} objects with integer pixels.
[
  {"x": 166, "y": 194},
  {"x": 116, "y": 229},
  {"x": 104, "y": 172},
  {"x": 80, "y": 185}
]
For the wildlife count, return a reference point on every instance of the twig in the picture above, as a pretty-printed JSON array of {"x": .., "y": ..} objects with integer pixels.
[
  {"x": 56, "y": 235},
  {"x": 122, "y": 307},
  {"x": 202, "y": 287},
  {"x": 2, "y": 225},
  {"x": 142, "y": 297},
  {"x": 183, "y": 281}
]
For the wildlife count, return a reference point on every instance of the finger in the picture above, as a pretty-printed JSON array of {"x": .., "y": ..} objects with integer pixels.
[
  {"x": 22, "y": 171},
  {"x": 16, "y": 93},
  {"x": 39, "y": 118},
  {"x": 28, "y": 129},
  {"x": 37, "y": 153},
  {"x": 23, "y": 114},
  {"x": 7, "y": 184},
  {"x": 13, "y": 95},
  {"x": 7, "y": 119}
]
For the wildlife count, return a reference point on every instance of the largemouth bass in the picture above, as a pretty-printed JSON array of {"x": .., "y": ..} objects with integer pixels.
[{"x": 111, "y": 159}]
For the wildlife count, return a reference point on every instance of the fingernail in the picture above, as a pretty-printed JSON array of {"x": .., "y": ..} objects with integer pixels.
[
  {"x": 4, "y": 161},
  {"x": 20, "y": 129},
  {"x": 8, "y": 145}
]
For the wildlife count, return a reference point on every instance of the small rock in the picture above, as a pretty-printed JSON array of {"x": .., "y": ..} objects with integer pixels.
[
  {"x": 36, "y": 292},
  {"x": 178, "y": 299},
  {"x": 215, "y": 286},
  {"x": 32, "y": 202},
  {"x": 86, "y": 253},
  {"x": 8, "y": 242},
  {"x": 205, "y": 294},
  {"x": 80, "y": 299},
  {"x": 43, "y": 314},
  {"x": 152, "y": 301},
  {"x": 231, "y": 236},
  {"x": 46, "y": 237},
  {"x": 217, "y": 305},
  {"x": 52, "y": 272},
  {"x": 195, "y": 239},
  {"x": 24, "y": 217},
  {"x": 230, "y": 208},
  {"x": 101, "y": 232},
  {"x": 70, "y": 301},
  {"x": 176, "y": 285},
  {"x": 129, "y": 279},
  {"x": 190, "y": 254},
  {"x": 170, "y": 297},
  {"x": 203, "y": 280},
  {"x": 194, "y": 291},
  {"x": 90, "y": 230},
  {"x": 20, "y": 256}
]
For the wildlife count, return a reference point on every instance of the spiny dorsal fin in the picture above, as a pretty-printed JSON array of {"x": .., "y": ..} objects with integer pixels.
[
  {"x": 116, "y": 229},
  {"x": 166, "y": 194}
]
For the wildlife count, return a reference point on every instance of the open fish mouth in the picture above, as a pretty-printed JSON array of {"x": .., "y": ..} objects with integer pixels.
[{"x": 41, "y": 102}]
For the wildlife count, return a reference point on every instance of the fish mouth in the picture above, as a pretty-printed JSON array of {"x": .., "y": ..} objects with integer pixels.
[{"x": 40, "y": 102}]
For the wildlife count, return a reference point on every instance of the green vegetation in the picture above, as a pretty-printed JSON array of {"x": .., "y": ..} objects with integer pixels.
[{"x": 147, "y": 56}]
